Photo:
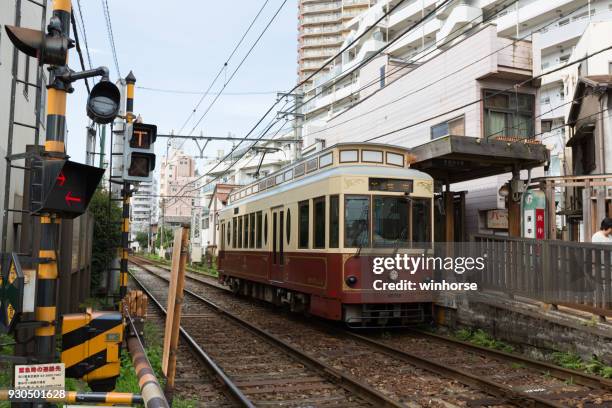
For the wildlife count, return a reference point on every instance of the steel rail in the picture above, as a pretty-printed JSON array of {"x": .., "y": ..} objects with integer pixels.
[
  {"x": 231, "y": 388},
  {"x": 336, "y": 376},
  {"x": 499, "y": 390},
  {"x": 562, "y": 373}
]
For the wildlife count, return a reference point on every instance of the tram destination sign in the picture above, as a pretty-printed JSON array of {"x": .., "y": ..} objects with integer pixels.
[{"x": 393, "y": 185}]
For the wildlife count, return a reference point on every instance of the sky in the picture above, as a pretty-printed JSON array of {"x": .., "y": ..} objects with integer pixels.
[{"x": 181, "y": 45}]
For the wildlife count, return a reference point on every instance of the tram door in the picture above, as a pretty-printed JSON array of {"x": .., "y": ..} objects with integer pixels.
[{"x": 278, "y": 256}]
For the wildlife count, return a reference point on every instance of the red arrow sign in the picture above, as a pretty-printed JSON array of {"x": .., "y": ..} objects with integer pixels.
[
  {"x": 61, "y": 178},
  {"x": 69, "y": 198}
]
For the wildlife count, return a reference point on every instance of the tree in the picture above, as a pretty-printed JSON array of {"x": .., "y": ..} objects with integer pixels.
[
  {"x": 168, "y": 237},
  {"x": 143, "y": 239},
  {"x": 106, "y": 235}
]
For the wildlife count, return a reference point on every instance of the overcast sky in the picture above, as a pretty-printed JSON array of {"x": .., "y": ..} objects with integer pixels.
[{"x": 181, "y": 45}]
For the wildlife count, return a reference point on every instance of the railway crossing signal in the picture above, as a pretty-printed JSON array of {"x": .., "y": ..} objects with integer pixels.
[
  {"x": 11, "y": 293},
  {"x": 139, "y": 152},
  {"x": 62, "y": 187}
]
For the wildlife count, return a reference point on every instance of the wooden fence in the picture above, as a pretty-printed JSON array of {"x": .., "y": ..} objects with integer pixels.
[{"x": 555, "y": 272}]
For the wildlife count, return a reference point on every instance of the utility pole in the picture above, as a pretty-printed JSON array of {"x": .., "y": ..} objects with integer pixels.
[
  {"x": 130, "y": 80},
  {"x": 298, "y": 122}
]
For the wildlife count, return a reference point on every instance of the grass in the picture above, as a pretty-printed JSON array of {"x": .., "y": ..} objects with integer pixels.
[
  {"x": 128, "y": 381},
  {"x": 481, "y": 338},
  {"x": 573, "y": 361},
  {"x": 563, "y": 359},
  {"x": 196, "y": 268}
]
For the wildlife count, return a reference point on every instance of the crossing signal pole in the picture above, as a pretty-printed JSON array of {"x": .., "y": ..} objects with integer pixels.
[
  {"x": 62, "y": 188},
  {"x": 130, "y": 80}
]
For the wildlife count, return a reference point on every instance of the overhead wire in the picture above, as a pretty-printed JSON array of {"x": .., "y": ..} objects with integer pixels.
[
  {"x": 329, "y": 61},
  {"x": 78, "y": 48},
  {"x": 224, "y": 66},
  {"x": 111, "y": 36}
]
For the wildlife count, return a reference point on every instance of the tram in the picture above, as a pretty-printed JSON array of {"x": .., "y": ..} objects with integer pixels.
[{"x": 306, "y": 236}]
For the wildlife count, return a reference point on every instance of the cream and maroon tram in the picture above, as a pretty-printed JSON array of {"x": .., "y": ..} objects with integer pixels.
[{"x": 307, "y": 235}]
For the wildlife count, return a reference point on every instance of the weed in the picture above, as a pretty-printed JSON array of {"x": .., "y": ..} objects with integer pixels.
[
  {"x": 484, "y": 339},
  {"x": 184, "y": 403},
  {"x": 516, "y": 366}
]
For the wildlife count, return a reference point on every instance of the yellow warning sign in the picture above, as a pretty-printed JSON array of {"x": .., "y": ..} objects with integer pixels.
[
  {"x": 12, "y": 274},
  {"x": 10, "y": 313}
]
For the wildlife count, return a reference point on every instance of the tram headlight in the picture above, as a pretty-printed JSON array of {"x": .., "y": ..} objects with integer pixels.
[{"x": 351, "y": 280}]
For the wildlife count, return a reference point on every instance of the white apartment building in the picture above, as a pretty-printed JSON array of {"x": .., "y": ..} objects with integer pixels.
[
  {"x": 322, "y": 30},
  {"x": 553, "y": 28},
  {"x": 143, "y": 207},
  {"x": 22, "y": 101}
]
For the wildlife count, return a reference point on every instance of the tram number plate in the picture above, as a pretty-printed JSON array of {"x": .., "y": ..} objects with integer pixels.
[{"x": 395, "y": 185}]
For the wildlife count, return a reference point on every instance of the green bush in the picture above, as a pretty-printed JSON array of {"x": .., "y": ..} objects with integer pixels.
[{"x": 106, "y": 235}]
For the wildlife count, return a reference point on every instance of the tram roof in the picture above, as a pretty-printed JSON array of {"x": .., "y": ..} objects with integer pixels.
[{"x": 341, "y": 154}]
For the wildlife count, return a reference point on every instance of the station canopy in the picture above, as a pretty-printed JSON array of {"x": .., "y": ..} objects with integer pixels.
[{"x": 454, "y": 159}]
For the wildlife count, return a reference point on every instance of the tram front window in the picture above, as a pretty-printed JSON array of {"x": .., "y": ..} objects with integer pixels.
[
  {"x": 356, "y": 221},
  {"x": 390, "y": 224},
  {"x": 421, "y": 220}
]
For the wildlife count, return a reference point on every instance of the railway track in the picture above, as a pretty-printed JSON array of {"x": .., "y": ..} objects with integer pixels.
[
  {"x": 471, "y": 376},
  {"x": 193, "y": 381},
  {"x": 262, "y": 370}
]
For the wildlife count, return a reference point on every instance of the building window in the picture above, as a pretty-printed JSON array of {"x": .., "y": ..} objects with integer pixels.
[
  {"x": 454, "y": 127},
  {"x": 334, "y": 221},
  {"x": 508, "y": 114},
  {"x": 382, "y": 76},
  {"x": 356, "y": 221},
  {"x": 546, "y": 126}
]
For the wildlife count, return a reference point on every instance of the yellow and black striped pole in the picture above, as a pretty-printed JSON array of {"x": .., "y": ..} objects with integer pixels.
[
  {"x": 47, "y": 273},
  {"x": 125, "y": 225}
]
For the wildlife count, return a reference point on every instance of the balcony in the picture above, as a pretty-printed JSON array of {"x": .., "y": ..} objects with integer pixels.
[
  {"x": 321, "y": 42},
  {"x": 321, "y": 8},
  {"x": 314, "y": 31},
  {"x": 355, "y": 3},
  {"x": 414, "y": 38},
  {"x": 460, "y": 17},
  {"x": 409, "y": 14},
  {"x": 328, "y": 18},
  {"x": 317, "y": 54}
]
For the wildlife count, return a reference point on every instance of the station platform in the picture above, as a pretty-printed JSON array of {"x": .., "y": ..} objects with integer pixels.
[{"x": 530, "y": 324}]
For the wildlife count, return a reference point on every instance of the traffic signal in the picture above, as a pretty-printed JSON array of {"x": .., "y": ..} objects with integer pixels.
[
  {"x": 139, "y": 152},
  {"x": 62, "y": 187},
  {"x": 49, "y": 48}
]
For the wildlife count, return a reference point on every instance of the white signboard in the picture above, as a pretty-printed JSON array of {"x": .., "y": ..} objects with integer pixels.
[
  {"x": 36, "y": 376},
  {"x": 497, "y": 219}
]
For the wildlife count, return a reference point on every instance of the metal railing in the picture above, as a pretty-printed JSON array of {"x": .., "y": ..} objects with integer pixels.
[{"x": 554, "y": 272}]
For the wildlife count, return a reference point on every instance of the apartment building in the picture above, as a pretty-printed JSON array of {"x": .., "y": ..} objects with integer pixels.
[
  {"x": 553, "y": 28},
  {"x": 321, "y": 26},
  {"x": 143, "y": 208},
  {"x": 176, "y": 172},
  {"x": 22, "y": 117}
]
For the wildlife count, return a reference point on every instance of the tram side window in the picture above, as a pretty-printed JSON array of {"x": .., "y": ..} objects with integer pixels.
[
  {"x": 222, "y": 240},
  {"x": 259, "y": 232},
  {"x": 252, "y": 230},
  {"x": 319, "y": 222},
  {"x": 239, "y": 232},
  {"x": 334, "y": 221},
  {"x": 303, "y": 214},
  {"x": 235, "y": 232},
  {"x": 356, "y": 221},
  {"x": 421, "y": 220},
  {"x": 391, "y": 223},
  {"x": 229, "y": 233},
  {"x": 265, "y": 236}
]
